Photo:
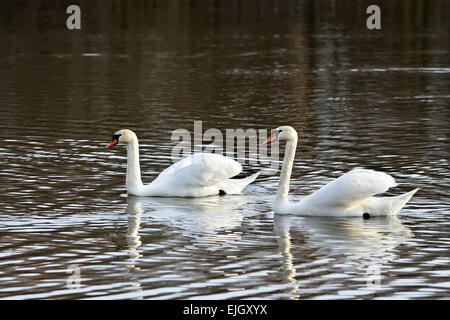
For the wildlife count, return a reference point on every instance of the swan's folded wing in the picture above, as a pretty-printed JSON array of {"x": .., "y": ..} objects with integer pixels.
[
  {"x": 200, "y": 170},
  {"x": 351, "y": 188}
]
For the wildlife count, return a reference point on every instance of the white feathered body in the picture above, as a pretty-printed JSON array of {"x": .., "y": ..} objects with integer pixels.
[
  {"x": 198, "y": 175},
  {"x": 352, "y": 194}
]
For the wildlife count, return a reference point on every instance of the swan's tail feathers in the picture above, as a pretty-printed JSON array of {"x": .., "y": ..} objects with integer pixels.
[
  {"x": 403, "y": 199},
  {"x": 407, "y": 196},
  {"x": 389, "y": 205},
  {"x": 249, "y": 179},
  {"x": 233, "y": 186}
]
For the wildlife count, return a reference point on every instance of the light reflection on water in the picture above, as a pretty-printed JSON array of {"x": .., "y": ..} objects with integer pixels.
[{"x": 63, "y": 199}]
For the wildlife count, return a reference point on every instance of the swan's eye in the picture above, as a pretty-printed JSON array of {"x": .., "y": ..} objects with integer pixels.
[{"x": 280, "y": 131}]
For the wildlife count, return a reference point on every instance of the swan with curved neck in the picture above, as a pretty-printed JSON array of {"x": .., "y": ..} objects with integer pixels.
[
  {"x": 352, "y": 194},
  {"x": 198, "y": 175}
]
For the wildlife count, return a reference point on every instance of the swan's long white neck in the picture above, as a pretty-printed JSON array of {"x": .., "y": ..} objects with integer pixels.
[
  {"x": 286, "y": 170},
  {"x": 133, "y": 181}
]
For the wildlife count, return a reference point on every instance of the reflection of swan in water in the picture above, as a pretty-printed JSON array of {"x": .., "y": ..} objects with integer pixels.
[
  {"x": 131, "y": 241},
  {"x": 357, "y": 238},
  {"x": 358, "y": 244},
  {"x": 202, "y": 218},
  {"x": 281, "y": 226},
  {"x": 197, "y": 215},
  {"x": 134, "y": 212}
]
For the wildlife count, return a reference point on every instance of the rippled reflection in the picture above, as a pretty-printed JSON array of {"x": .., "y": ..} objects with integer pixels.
[
  {"x": 199, "y": 216},
  {"x": 359, "y": 245},
  {"x": 133, "y": 211}
]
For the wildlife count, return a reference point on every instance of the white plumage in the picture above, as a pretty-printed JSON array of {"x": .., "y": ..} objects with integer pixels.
[
  {"x": 352, "y": 187},
  {"x": 198, "y": 175},
  {"x": 352, "y": 194},
  {"x": 200, "y": 170}
]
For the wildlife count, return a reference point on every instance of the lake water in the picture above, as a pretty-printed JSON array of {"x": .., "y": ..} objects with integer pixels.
[{"x": 358, "y": 98}]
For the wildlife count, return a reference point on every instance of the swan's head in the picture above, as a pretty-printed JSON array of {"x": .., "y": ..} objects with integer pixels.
[
  {"x": 283, "y": 133},
  {"x": 122, "y": 136}
]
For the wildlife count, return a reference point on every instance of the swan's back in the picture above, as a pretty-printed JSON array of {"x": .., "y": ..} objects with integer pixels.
[
  {"x": 351, "y": 188},
  {"x": 200, "y": 170}
]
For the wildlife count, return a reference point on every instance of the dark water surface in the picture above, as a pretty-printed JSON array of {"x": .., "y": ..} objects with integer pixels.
[{"x": 358, "y": 98}]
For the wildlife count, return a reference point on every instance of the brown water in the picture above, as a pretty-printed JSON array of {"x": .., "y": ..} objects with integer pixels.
[{"x": 358, "y": 98}]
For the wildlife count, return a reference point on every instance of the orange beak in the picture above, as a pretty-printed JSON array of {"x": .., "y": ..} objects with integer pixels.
[
  {"x": 271, "y": 139},
  {"x": 112, "y": 143}
]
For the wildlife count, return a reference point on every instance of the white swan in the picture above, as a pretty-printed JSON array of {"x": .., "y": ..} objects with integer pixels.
[
  {"x": 349, "y": 195},
  {"x": 198, "y": 175}
]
